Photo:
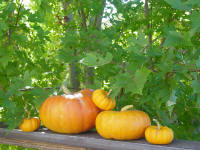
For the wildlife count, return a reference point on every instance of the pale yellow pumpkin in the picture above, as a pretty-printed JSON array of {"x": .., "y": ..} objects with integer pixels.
[
  {"x": 122, "y": 125},
  {"x": 159, "y": 134},
  {"x": 102, "y": 100}
]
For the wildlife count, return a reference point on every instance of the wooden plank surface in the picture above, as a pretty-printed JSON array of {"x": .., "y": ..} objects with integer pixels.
[
  {"x": 91, "y": 140},
  {"x": 37, "y": 144}
]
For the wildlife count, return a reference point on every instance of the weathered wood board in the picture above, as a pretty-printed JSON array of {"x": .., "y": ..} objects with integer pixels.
[{"x": 45, "y": 139}]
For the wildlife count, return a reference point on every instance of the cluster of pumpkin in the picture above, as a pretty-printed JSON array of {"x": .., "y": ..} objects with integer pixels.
[{"x": 80, "y": 112}]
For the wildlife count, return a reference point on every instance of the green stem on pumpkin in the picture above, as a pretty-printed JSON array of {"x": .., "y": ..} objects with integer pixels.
[
  {"x": 29, "y": 114},
  {"x": 127, "y": 107},
  {"x": 65, "y": 90},
  {"x": 109, "y": 93},
  {"x": 25, "y": 107},
  {"x": 158, "y": 124}
]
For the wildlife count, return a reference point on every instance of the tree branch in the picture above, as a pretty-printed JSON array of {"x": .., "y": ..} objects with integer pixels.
[
  {"x": 149, "y": 25},
  {"x": 98, "y": 18},
  {"x": 17, "y": 19},
  {"x": 83, "y": 17},
  {"x": 162, "y": 42},
  {"x": 9, "y": 36},
  {"x": 45, "y": 88},
  {"x": 170, "y": 18},
  {"x": 32, "y": 88},
  {"x": 123, "y": 71}
]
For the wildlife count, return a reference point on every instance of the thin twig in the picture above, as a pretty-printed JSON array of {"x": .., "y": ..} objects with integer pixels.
[
  {"x": 45, "y": 88},
  {"x": 17, "y": 18},
  {"x": 98, "y": 17},
  {"x": 32, "y": 88},
  {"x": 162, "y": 42},
  {"x": 18, "y": 12},
  {"x": 9, "y": 36},
  {"x": 146, "y": 9},
  {"x": 83, "y": 17}
]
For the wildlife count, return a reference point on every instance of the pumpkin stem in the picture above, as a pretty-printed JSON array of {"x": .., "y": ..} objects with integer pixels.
[
  {"x": 127, "y": 107},
  {"x": 65, "y": 90},
  {"x": 109, "y": 93},
  {"x": 29, "y": 116},
  {"x": 158, "y": 124},
  {"x": 25, "y": 108}
]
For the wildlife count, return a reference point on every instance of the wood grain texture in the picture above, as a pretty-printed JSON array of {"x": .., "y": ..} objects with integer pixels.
[
  {"x": 92, "y": 140},
  {"x": 37, "y": 144}
]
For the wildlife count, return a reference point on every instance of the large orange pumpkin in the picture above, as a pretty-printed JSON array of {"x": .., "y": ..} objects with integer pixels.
[{"x": 74, "y": 113}]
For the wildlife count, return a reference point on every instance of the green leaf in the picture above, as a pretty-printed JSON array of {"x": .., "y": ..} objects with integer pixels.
[
  {"x": 115, "y": 91},
  {"x": 162, "y": 93},
  {"x": 96, "y": 85},
  {"x": 40, "y": 95},
  {"x": 66, "y": 55},
  {"x": 27, "y": 78},
  {"x": 4, "y": 57},
  {"x": 196, "y": 86},
  {"x": 17, "y": 83},
  {"x": 198, "y": 62},
  {"x": 198, "y": 100},
  {"x": 10, "y": 8},
  {"x": 20, "y": 38},
  {"x": 173, "y": 38},
  {"x": 140, "y": 79},
  {"x": 8, "y": 104},
  {"x": 38, "y": 2},
  {"x": 94, "y": 59},
  {"x": 193, "y": 2},
  {"x": 14, "y": 117},
  {"x": 178, "y": 4},
  {"x": 137, "y": 44},
  {"x": 121, "y": 81},
  {"x": 3, "y": 27},
  {"x": 195, "y": 23},
  {"x": 2, "y": 94}
]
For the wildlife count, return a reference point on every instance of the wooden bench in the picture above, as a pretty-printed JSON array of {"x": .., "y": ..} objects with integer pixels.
[{"x": 48, "y": 140}]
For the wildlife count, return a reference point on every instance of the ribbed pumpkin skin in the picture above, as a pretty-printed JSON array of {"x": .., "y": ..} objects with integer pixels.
[
  {"x": 69, "y": 115},
  {"x": 101, "y": 101},
  {"x": 164, "y": 135},
  {"x": 124, "y": 125},
  {"x": 29, "y": 125}
]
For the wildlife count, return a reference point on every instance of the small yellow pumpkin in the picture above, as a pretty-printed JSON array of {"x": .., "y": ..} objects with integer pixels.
[
  {"x": 30, "y": 125},
  {"x": 102, "y": 100},
  {"x": 122, "y": 125},
  {"x": 159, "y": 134}
]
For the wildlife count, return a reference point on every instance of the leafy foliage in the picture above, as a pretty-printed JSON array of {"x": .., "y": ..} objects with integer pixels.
[
  {"x": 148, "y": 58},
  {"x": 11, "y": 147}
]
